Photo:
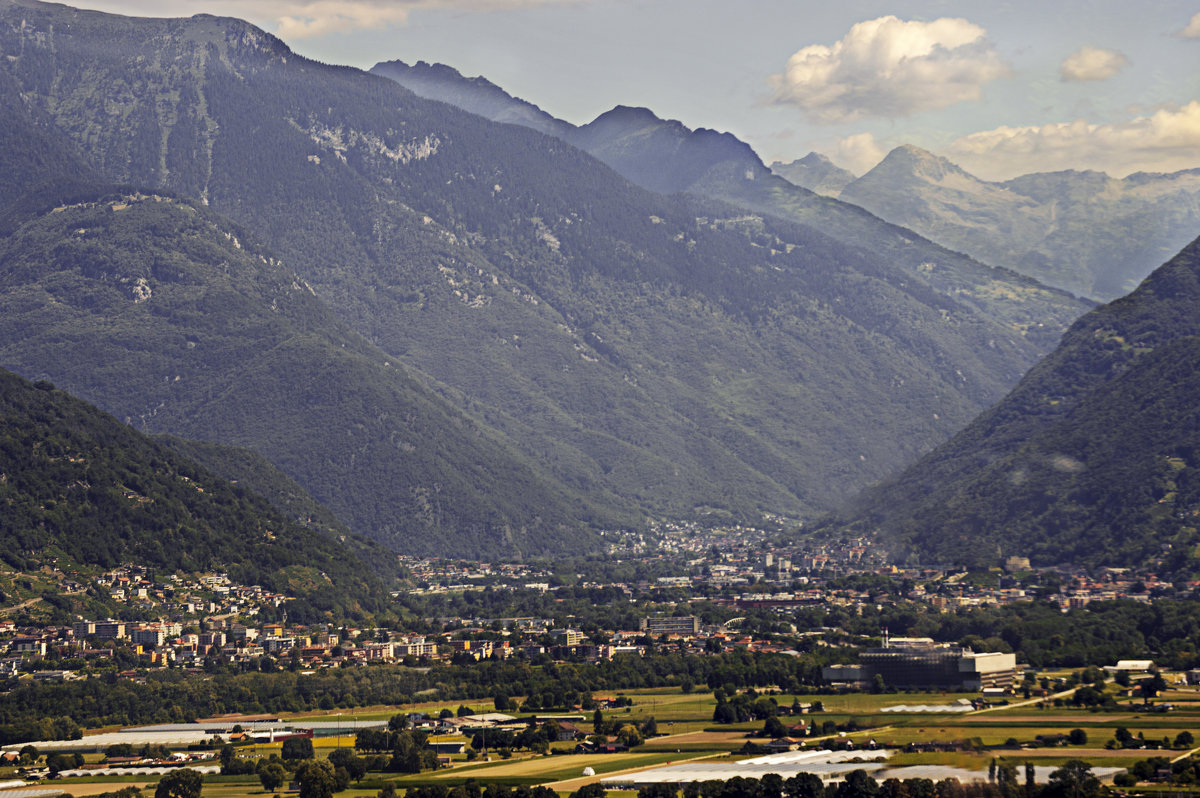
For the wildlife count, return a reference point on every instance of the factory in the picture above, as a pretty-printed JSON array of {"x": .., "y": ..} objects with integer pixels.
[{"x": 919, "y": 662}]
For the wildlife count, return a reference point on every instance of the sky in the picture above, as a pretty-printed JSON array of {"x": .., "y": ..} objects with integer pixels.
[{"x": 1002, "y": 88}]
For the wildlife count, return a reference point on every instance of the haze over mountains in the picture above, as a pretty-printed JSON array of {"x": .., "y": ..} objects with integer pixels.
[
  {"x": 1086, "y": 232},
  {"x": 474, "y": 337}
]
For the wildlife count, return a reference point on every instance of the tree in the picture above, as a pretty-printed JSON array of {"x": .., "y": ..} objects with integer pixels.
[
  {"x": 57, "y": 762},
  {"x": 272, "y": 775},
  {"x": 804, "y": 785},
  {"x": 629, "y": 736},
  {"x": 181, "y": 783},
  {"x": 1184, "y": 739},
  {"x": 774, "y": 728},
  {"x": 1077, "y": 737},
  {"x": 858, "y": 784},
  {"x": 593, "y": 790},
  {"x": 657, "y": 791},
  {"x": 316, "y": 778},
  {"x": 353, "y": 764},
  {"x": 1154, "y": 685},
  {"x": 297, "y": 748},
  {"x": 1073, "y": 780}
]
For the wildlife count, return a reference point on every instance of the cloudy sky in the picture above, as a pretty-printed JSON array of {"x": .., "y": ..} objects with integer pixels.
[{"x": 1002, "y": 88}]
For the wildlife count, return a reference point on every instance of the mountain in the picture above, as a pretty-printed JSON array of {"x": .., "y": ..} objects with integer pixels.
[
  {"x": 478, "y": 95},
  {"x": 667, "y": 157},
  {"x": 661, "y": 155},
  {"x": 78, "y": 488},
  {"x": 816, "y": 173},
  {"x": 1092, "y": 459},
  {"x": 464, "y": 336},
  {"x": 1085, "y": 232},
  {"x": 172, "y": 318}
]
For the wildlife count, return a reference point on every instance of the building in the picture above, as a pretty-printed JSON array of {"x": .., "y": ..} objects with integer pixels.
[
  {"x": 687, "y": 625},
  {"x": 110, "y": 630},
  {"x": 567, "y": 637},
  {"x": 414, "y": 647},
  {"x": 920, "y": 662},
  {"x": 148, "y": 635},
  {"x": 845, "y": 675},
  {"x": 1015, "y": 563}
]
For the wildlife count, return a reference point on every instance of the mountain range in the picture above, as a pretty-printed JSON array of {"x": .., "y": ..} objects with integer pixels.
[
  {"x": 463, "y": 336},
  {"x": 666, "y": 156},
  {"x": 1091, "y": 234}
]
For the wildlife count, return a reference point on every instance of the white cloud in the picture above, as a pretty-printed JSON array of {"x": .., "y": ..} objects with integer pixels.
[
  {"x": 1192, "y": 31},
  {"x": 889, "y": 67},
  {"x": 1092, "y": 63},
  {"x": 299, "y": 19},
  {"x": 337, "y": 16},
  {"x": 858, "y": 153},
  {"x": 1167, "y": 140}
]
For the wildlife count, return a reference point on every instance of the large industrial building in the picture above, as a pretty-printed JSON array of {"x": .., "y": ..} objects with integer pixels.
[
  {"x": 920, "y": 662},
  {"x": 685, "y": 625}
]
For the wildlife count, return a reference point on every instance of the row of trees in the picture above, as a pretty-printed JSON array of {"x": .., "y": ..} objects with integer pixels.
[{"x": 41, "y": 711}]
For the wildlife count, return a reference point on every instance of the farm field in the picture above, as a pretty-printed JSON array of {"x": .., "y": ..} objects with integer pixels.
[{"x": 687, "y": 731}]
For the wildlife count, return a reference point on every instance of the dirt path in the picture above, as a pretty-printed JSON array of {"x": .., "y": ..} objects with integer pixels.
[{"x": 21, "y": 606}]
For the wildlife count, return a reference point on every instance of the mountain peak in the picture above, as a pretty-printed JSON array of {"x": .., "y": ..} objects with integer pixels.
[
  {"x": 627, "y": 116},
  {"x": 816, "y": 173},
  {"x": 912, "y": 159}
]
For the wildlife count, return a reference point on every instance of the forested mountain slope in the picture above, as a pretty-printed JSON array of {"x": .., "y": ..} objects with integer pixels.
[
  {"x": 77, "y": 485},
  {"x": 168, "y": 315},
  {"x": 1092, "y": 459}
]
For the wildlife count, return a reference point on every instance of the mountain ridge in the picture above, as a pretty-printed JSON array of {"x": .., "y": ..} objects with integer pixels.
[
  {"x": 1091, "y": 459},
  {"x": 1082, "y": 231}
]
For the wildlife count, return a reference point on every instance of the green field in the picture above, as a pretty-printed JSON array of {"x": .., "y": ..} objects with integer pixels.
[{"x": 686, "y": 731}]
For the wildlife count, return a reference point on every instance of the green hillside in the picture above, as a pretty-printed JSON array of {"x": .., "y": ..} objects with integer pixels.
[
  {"x": 77, "y": 487},
  {"x": 164, "y": 313},
  {"x": 1092, "y": 459}
]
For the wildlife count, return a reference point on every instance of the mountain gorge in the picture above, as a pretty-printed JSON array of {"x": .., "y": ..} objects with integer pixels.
[{"x": 463, "y": 336}]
